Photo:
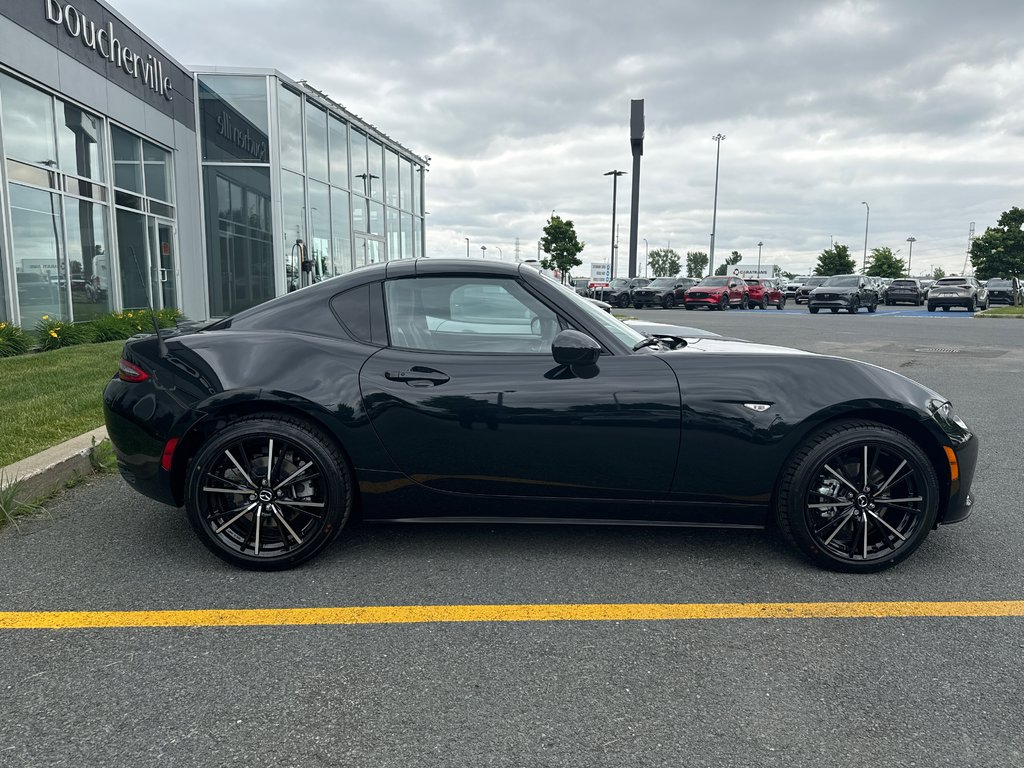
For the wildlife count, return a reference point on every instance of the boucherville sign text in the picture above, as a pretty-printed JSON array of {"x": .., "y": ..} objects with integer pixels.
[{"x": 147, "y": 68}]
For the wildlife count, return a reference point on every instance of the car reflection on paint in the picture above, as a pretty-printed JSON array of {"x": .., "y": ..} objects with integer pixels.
[{"x": 462, "y": 390}]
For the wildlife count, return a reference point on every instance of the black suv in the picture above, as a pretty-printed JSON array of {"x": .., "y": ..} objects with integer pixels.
[
  {"x": 806, "y": 287},
  {"x": 664, "y": 292},
  {"x": 849, "y": 292},
  {"x": 1005, "y": 291},
  {"x": 619, "y": 292},
  {"x": 905, "y": 290}
]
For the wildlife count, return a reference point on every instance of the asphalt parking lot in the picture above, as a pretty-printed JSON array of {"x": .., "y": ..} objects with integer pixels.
[{"x": 925, "y": 690}]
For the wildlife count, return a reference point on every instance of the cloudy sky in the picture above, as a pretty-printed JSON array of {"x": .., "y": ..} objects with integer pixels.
[{"x": 915, "y": 107}]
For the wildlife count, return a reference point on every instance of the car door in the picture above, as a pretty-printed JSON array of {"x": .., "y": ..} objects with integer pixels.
[{"x": 468, "y": 399}]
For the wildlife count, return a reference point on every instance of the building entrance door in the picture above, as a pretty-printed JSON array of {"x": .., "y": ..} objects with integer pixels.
[{"x": 163, "y": 264}]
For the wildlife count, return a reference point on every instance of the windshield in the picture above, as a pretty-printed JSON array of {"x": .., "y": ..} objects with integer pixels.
[
  {"x": 663, "y": 282},
  {"x": 911, "y": 283},
  {"x": 714, "y": 281},
  {"x": 843, "y": 281},
  {"x": 618, "y": 282},
  {"x": 595, "y": 314},
  {"x": 815, "y": 280},
  {"x": 998, "y": 283},
  {"x": 952, "y": 281}
]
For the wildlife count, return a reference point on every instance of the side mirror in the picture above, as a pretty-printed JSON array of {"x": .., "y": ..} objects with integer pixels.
[{"x": 574, "y": 348}]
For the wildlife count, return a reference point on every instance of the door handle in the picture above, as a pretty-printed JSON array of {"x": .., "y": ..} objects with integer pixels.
[{"x": 418, "y": 376}]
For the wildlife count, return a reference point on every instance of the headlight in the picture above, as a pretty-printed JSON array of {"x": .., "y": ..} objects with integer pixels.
[{"x": 952, "y": 424}]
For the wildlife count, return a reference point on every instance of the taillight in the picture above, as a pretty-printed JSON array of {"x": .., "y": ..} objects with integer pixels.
[{"x": 130, "y": 372}]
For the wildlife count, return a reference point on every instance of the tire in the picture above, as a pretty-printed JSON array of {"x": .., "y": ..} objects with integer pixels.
[
  {"x": 637, "y": 305},
  {"x": 764, "y": 303},
  {"x": 813, "y": 310},
  {"x": 745, "y": 302},
  {"x": 854, "y": 306},
  {"x": 888, "y": 303},
  {"x": 834, "y": 310},
  {"x": 931, "y": 307},
  {"x": 623, "y": 301},
  {"x": 859, "y": 532},
  {"x": 945, "y": 309},
  {"x": 669, "y": 302},
  {"x": 689, "y": 307},
  {"x": 723, "y": 303},
  {"x": 260, "y": 456},
  {"x": 872, "y": 307},
  {"x": 970, "y": 305}
]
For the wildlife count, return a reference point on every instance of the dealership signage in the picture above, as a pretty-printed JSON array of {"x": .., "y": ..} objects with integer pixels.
[
  {"x": 600, "y": 274},
  {"x": 147, "y": 68}
]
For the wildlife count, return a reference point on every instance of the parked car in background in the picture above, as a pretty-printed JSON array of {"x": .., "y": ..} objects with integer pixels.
[
  {"x": 581, "y": 285},
  {"x": 792, "y": 286},
  {"x": 717, "y": 292},
  {"x": 926, "y": 285},
  {"x": 619, "y": 292},
  {"x": 849, "y": 292},
  {"x": 1005, "y": 291},
  {"x": 905, "y": 290},
  {"x": 807, "y": 286},
  {"x": 764, "y": 293},
  {"x": 664, "y": 292},
  {"x": 957, "y": 291}
]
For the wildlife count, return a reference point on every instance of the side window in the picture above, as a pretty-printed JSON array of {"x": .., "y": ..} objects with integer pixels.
[{"x": 467, "y": 314}]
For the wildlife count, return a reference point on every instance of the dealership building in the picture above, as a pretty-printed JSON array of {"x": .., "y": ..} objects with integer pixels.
[{"x": 129, "y": 180}]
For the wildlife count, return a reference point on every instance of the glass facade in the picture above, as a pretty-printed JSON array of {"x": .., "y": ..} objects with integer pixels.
[{"x": 88, "y": 208}]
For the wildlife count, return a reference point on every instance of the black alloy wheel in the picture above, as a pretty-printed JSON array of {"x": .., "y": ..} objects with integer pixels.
[
  {"x": 814, "y": 310},
  {"x": 669, "y": 302},
  {"x": 873, "y": 306},
  {"x": 834, "y": 310},
  {"x": 782, "y": 303},
  {"x": 858, "y": 497},
  {"x": 268, "y": 492},
  {"x": 854, "y": 305},
  {"x": 623, "y": 301},
  {"x": 745, "y": 302},
  {"x": 764, "y": 302},
  {"x": 723, "y": 303}
]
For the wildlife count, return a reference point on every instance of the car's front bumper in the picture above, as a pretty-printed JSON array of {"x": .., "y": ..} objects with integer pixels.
[
  {"x": 841, "y": 302},
  {"x": 961, "y": 500}
]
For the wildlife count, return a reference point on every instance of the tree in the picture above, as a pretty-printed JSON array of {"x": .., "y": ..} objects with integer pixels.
[
  {"x": 1000, "y": 251},
  {"x": 663, "y": 262},
  {"x": 723, "y": 268},
  {"x": 835, "y": 261},
  {"x": 696, "y": 263},
  {"x": 885, "y": 264},
  {"x": 561, "y": 245},
  {"x": 938, "y": 273}
]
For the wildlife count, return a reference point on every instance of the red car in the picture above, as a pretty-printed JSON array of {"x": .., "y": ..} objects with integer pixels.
[
  {"x": 718, "y": 292},
  {"x": 765, "y": 293}
]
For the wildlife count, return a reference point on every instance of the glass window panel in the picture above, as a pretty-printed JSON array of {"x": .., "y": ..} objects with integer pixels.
[
  {"x": 375, "y": 165},
  {"x": 419, "y": 175},
  {"x": 407, "y": 245},
  {"x": 360, "y": 218},
  {"x": 79, "y": 142},
  {"x": 394, "y": 234},
  {"x": 39, "y": 271},
  {"x": 86, "y": 189},
  {"x": 376, "y": 218},
  {"x": 157, "y": 166},
  {"x": 159, "y": 209},
  {"x": 27, "y": 122},
  {"x": 88, "y": 258},
  {"x": 391, "y": 178},
  {"x": 320, "y": 231},
  {"x": 133, "y": 259},
  {"x": 407, "y": 183},
  {"x": 30, "y": 174},
  {"x": 293, "y": 218},
  {"x": 338, "y": 137},
  {"x": 239, "y": 237},
  {"x": 127, "y": 160},
  {"x": 341, "y": 235},
  {"x": 233, "y": 118},
  {"x": 360, "y": 175},
  {"x": 316, "y": 142},
  {"x": 289, "y": 107},
  {"x": 128, "y": 200}
]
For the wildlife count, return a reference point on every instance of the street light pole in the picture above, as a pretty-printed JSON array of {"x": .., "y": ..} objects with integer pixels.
[
  {"x": 467, "y": 247},
  {"x": 615, "y": 183},
  {"x": 759, "y": 244},
  {"x": 647, "y": 258},
  {"x": 501, "y": 256},
  {"x": 718, "y": 138},
  {"x": 867, "y": 218},
  {"x": 910, "y": 253},
  {"x": 483, "y": 251}
]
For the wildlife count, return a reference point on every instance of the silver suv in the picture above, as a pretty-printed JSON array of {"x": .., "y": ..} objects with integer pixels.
[{"x": 957, "y": 291}]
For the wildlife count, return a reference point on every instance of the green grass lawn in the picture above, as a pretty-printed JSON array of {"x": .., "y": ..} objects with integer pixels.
[
  {"x": 1003, "y": 311},
  {"x": 50, "y": 397}
]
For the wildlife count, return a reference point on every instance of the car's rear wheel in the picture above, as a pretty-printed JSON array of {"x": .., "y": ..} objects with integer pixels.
[
  {"x": 781, "y": 304},
  {"x": 745, "y": 302},
  {"x": 764, "y": 302},
  {"x": 858, "y": 497},
  {"x": 834, "y": 310},
  {"x": 931, "y": 307},
  {"x": 970, "y": 305},
  {"x": 624, "y": 301},
  {"x": 813, "y": 310},
  {"x": 268, "y": 492},
  {"x": 669, "y": 302}
]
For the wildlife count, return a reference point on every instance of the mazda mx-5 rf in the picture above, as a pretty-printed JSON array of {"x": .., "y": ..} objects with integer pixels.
[{"x": 454, "y": 391}]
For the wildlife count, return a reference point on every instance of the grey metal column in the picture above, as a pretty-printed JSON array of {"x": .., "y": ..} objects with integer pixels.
[{"x": 636, "y": 142}]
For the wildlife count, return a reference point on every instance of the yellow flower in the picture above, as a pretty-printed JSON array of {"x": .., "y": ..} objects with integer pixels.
[
  {"x": 46, "y": 317},
  {"x": 54, "y": 334}
]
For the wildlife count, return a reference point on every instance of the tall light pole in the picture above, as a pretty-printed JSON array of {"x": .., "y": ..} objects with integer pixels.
[
  {"x": 867, "y": 218},
  {"x": 615, "y": 183},
  {"x": 718, "y": 138},
  {"x": 501, "y": 256},
  {"x": 647, "y": 257},
  {"x": 483, "y": 251},
  {"x": 467, "y": 247},
  {"x": 759, "y": 244},
  {"x": 910, "y": 254}
]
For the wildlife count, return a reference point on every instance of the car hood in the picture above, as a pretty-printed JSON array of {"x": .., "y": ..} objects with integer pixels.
[
  {"x": 720, "y": 345},
  {"x": 841, "y": 289}
]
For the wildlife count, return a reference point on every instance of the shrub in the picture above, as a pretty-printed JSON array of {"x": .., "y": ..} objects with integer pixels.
[
  {"x": 55, "y": 334},
  {"x": 13, "y": 340}
]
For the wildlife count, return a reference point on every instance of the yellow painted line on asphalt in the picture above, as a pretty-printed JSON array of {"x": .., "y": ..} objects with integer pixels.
[{"x": 422, "y": 614}]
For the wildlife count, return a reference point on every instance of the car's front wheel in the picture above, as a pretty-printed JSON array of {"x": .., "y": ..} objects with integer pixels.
[
  {"x": 813, "y": 310},
  {"x": 623, "y": 301},
  {"x": 669, "y": 302},
  {"x": 858, "y": 497},
  {"x": 268, "y": 492}
]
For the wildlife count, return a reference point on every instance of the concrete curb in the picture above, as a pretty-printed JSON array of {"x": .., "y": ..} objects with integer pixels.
[{"x": 52, "y": 469}]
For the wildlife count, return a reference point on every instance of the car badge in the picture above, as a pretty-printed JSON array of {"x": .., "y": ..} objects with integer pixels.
[{"x": 759, "y": 407}]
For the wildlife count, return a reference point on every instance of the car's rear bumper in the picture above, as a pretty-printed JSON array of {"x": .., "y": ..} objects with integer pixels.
[{"x": 950, "y": 301}]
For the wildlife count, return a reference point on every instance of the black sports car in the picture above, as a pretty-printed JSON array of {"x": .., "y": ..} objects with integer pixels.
[{"x": 462, "y": 390}]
